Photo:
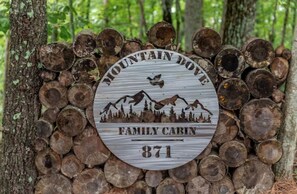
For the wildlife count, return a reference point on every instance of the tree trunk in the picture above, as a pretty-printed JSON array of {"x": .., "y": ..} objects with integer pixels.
[
  {"x": 238, "y": 21},
  {"x": 166, "y": 7},
  {"x": 129, "y": 17},
  {"x": 193, "y": 20},
  {"x": 178, "y": 18},
  {"x": 288, "y": 134},
  {"x": 272, "y": 32},
  {"x": 105, "y": 13},
  {"x": 285, "y": 21},
  {"x": 71, "y": 22},
  {"x": 21, "y": 106},
  {"x": 88, "y": 10},
  {"x": 143, "y": 25}
]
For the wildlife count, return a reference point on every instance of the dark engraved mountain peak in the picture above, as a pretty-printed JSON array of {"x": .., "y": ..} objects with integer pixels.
[{"x": 158, "y": 105}]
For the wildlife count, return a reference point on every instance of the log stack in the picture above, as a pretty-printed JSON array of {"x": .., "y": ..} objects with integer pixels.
[{"x": 71, "y": 157}]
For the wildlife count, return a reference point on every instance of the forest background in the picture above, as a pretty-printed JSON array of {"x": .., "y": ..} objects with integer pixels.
[{"x": 275, "y": 20}]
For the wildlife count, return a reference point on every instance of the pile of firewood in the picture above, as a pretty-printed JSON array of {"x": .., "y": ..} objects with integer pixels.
[{"x": 71, "y": 158}]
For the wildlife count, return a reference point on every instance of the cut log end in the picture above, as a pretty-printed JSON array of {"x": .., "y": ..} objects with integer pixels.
[
  {"x": 53, "y": 184},
  {"x": 43, "y": 128},
  {"x": 269, "y": 151},
  {"x": 170, "y": 186},
  {"x": 287, "y": 54},
  {"x": 90, "y": 115},
  {"x": 52, "y": 94},
  {"x": 261, "y": 83},
  {"x": 233, "y": 153},
  {"x": 61, "y": 143},
  {"x": 110, "y": 42},
  {"x": 206, "y": 42},
  {"x": 279, "y": 69},
  {"x": 51, "y": 114},
  {"x": 71, "y": 166},
  {"x": 48, "y": 161},
  {"x": 184, "y": 173},
  {"x": 90, "y": 150},
  {"x": 153, "y": 178},
  {"x": 40, "y": 144},
  {"x": 80, "y": 95},
  {"x": 198, "y": 185},
  {"x": 131, "y": 46},
  {"x": 205, "y": 152},
  {"x": 56, "y": 57},
  {"x": 120, "y": 174},
  {"x": 212, "y": 168},
  {"x": 65, "y": 78},
  {"x": 258, "y": 53},
  {"x": 84, "y": 44},
  {"x": 140, "y": 187},
  {"x": 261, "y": 119},
  {"x": 227, "y": 128},
  {"x": 229, "y": 62},
  {"x": 85, "y": 70},
  {"x": 90, "y": 181},
  {"x": 224, "y": 186},
  {"x": 233, "y": 93},
  {"x": 71, "y": 121},
  {"x": 253, "y": 177},
  {"x": 278, "y": 96},
  {"x": 47, "y": 75},
  {"x": 161, "y": 34}
]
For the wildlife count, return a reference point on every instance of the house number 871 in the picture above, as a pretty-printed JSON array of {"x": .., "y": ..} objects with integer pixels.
[{"x": 149, "y": 151}]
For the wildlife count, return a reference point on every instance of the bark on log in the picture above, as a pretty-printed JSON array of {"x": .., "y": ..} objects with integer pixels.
[
  {"x": 288, "y": 134},
  {"x": 161, "y": 34},
  {"x": 51, "y": 114},
  {"x": 140, "y": 187},
  {"x": 120, "y": 174},
  {"x": 47, "y": 75},
  {"x": 71, "y": 121},
  {"x": 287, "y": 54},
  {"x": 90, "y": 115},
  {"x": 40, "y": 144},
  {"x": 53, "y": 184},
  {"x": 261, "y": 119},
  {"x": 43, "y": 128},
  {"x": 90, "y": 181},
  {"x": 278, "y": 96},
  {"x": 80, "y": 95},
  {"x": 56, "y": 57},
  {"x": 87, "y": 132},
  {"x": 208, "y": 67},
  {"x": 109, "y": 42},
  {"x": 279, "y": 50},
  {"x": 71, "y": 166},
  {"x": 153, "y": 178},
  {"x": 85, "y": 70},
  {"x": 229, "y": 62},
  {"x": 224, "y": 186},
  {"x": 212, "y": 168},
  {"x": 65, "y": 78},
  {"x": 148, "y": 45},
  {"x": 253, "y": 177},
  {"x": 84, "y": 44},
  {"x": 52, "y": 94},
  {"x": 227, "y": 128},
  {"x": 233, "y": 153},
  {"x": 198, "y": 185},
  {"x": 90, "y": 150},
  {"x": 48, "y": 162},
  {"x": 170, "y": 186},
  {"x": 233, "y": 93},
  {"x": 130, "y": 46},
  {"x": 184, "y": 173},
  {"x": 206, "y": 42},
  {"x": 269, "y": 151},
  {"x": 279, "y": 69},
  {"x": 61, "y": 143},
  {"x": 258, "y": 53},
  {"x": 261, "y": 83},
  {"x": 105, "y": 62}
]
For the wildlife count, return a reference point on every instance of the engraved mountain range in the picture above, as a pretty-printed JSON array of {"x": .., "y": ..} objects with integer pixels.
[{"x": 152, "y": 109}]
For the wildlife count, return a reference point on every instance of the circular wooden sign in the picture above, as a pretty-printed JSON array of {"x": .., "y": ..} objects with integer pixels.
[{"x": 156, "y": 109}]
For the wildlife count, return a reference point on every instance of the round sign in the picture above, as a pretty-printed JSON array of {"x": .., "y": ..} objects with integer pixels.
[{"x": 156, "y": 109}]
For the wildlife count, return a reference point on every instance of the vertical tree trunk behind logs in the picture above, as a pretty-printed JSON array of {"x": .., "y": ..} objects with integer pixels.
[
  {"x": 238, "y": 21},
  {"x": 21, "y": 106},
  {"x": 166, "y": 7},
  {"x": 288, "y": 134},
  {"x": 193, "y": 20}
]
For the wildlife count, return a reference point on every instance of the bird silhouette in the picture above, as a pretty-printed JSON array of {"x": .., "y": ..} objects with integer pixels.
[{"x": 156, "y": 81}]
